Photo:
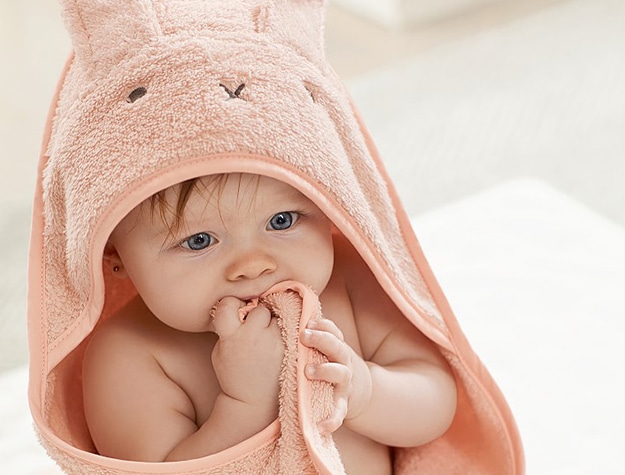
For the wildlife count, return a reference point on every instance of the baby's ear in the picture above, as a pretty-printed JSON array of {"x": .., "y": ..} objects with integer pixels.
[
  {"x": 111, "y": 259},
  {"x": 104, "y": 31}
]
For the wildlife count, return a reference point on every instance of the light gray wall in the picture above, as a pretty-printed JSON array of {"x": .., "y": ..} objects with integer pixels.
[{"x": 402, "y": 14}]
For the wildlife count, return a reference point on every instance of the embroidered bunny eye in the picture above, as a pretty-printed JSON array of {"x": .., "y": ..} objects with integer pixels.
[
  {"x": 198, "y": 242},
  {"x": 136, "y": 94}
]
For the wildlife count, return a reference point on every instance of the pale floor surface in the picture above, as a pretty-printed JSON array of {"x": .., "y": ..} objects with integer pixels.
[{"x": 455, "y": 107}]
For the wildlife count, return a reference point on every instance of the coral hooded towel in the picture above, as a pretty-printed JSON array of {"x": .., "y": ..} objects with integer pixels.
[{"x": 158, "y": 92}]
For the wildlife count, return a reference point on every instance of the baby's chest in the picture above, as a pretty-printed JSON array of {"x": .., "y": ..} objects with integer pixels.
[{"x": 336, "y": 306}]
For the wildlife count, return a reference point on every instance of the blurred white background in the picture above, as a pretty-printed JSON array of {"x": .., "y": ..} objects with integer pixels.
[{"x": 501, "y": 122}]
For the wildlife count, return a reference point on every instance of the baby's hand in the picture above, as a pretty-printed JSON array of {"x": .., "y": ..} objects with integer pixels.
[
  {"x": 345, "y": 369},
  {"x": 248, "y": 355}
]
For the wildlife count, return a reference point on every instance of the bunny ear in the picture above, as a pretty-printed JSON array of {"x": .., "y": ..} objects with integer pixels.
[
  {"x": 104, "y": 31},
  {"x": 298, "y": 23}
]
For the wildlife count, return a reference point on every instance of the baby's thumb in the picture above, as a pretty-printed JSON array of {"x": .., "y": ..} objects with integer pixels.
[{"x": 226, "y": 319}]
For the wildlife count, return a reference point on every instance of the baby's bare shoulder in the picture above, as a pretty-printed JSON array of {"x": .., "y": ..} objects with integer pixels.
[
  {"x": 139, "y": 371},
  {"x": 133, "y": 342},
  {"x": 385, "y": 333},
  {"x": 134, "y": 331}
]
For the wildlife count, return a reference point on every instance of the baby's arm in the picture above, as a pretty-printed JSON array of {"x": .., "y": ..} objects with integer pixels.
[
  {"x": 137, "y": 408},
  {"x": 247, "y": 360},
  {"x": 401, "y": 398},
  {"x": 400, "y": 392},
  {"x": 134, "y": 410},
  {"x": 413, "y": 393}
]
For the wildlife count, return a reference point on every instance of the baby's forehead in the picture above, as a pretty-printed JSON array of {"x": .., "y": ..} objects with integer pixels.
[
  {"x": 236, "y": 187},
  {"x": 223, "y": 193}
]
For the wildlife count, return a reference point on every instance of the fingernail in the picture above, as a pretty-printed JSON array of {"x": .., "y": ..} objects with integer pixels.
[
  {"x": 310, "y": 370},
  {"x": 308, "y": 334},
  {"x": 312, "y": 324}
]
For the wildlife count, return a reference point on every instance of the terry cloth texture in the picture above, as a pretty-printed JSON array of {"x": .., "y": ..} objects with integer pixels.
[{"x": 158, "y": 92}]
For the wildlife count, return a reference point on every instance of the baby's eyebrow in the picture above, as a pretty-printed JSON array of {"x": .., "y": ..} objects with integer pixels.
[
  {"x": 164, "y": 233},
  {"x": 303, "y": 202},
  {"x": 158, "y": 228},
  {"x": 295, "y": 196}
]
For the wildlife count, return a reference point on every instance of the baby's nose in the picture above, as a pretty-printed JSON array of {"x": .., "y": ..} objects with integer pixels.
[{"x": 251, "y": 265}]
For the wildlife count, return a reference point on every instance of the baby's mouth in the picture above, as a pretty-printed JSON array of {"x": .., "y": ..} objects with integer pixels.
[
  {"x": 250, "y": 299},
  {"x": 250, "y": 304}
]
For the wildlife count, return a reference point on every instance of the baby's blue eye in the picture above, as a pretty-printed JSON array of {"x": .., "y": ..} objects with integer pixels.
[
  {"x": 282, "y": 221},
  {"x": 198, "y": 241}
]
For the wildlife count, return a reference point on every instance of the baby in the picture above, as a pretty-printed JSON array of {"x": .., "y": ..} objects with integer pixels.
[{"x": 176, "y": 375}]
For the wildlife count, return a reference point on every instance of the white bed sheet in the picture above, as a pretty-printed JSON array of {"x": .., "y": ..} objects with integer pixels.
[
  {"x": 538, "y": 284},
  {"x": 537, "y": 281}
]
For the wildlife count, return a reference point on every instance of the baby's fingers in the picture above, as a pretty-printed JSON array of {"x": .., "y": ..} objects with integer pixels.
[
  {"x": 333, "y": 373},
  {"x": 334, "y": 348},
  {"x": 340, "y": 376},
  {"x": 335, "y": 421},
  {"x": 326, "y": 325},
  {"x": 259, "y": 317},
  {"x": 226, "y": 317}
]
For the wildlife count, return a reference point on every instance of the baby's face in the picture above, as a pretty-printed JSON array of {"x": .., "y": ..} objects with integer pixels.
[{"x": 237, "y": 241}]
